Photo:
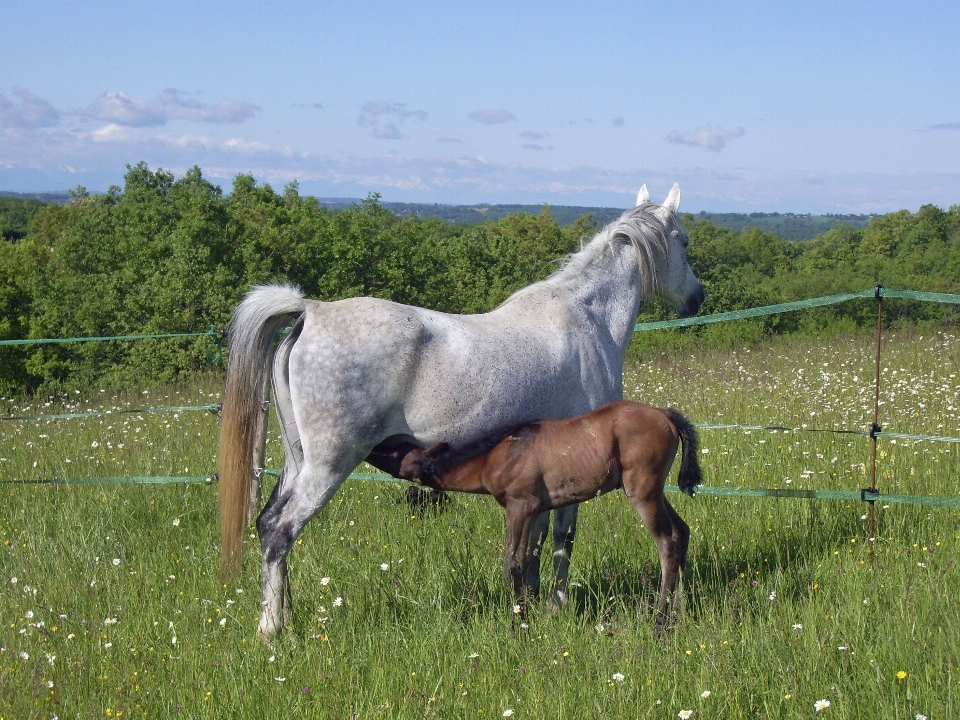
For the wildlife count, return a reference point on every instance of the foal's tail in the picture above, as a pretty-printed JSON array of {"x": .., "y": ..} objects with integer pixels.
[
  {"x": 256, "y": 321},
  {"x": 689, "y": 464}
]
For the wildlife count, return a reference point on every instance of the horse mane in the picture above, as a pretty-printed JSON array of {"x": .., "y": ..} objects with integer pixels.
[
  {"x": 640, "y": 226},
  {"x": 455, "y": 457}
]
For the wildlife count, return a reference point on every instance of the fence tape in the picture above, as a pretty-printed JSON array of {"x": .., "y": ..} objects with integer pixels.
[
  {"x": 58, "y": 341},
  {"x": 798, "y": 305},
  {"x": 123, "y": 480},
  {"x": 866, "y": 496},
  {"x": 215, "y": 409}
]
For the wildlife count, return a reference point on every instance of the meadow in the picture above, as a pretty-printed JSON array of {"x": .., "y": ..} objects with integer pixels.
[{"x": 110, "y": 606}]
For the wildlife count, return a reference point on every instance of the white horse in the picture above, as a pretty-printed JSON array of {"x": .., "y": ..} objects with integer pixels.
[{"x": 367, "y": 379}]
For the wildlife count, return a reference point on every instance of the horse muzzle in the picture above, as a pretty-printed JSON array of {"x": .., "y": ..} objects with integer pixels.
[{"x": 694, "y": 302}]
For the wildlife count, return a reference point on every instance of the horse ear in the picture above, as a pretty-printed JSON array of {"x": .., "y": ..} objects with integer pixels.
[
  {"x": 643, "y": 196},
  {"x": 672, "y": 203},
  {"x": 438, "y": 449}
]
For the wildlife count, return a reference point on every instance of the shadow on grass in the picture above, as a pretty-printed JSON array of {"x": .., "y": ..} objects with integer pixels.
[{"x": 787, "y": 558}]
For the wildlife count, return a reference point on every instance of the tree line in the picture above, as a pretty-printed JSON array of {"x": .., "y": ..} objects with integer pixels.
[{"x": 174, "y": 255}]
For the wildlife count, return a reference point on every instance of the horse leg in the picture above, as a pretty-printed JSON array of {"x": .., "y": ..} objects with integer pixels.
[
  {"x": 671, "y": 535},
  {"x": 295, "y": 500},
  {"x": 564, "y": 528}
]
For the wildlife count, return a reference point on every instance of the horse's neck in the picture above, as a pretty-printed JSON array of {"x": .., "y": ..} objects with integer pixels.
[{"x": 610, "y": 290}]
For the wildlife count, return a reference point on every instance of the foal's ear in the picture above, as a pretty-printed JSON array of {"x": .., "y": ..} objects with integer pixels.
[
  {"x": 438, "y": 449},
  {"x": 643, "y": 196}
]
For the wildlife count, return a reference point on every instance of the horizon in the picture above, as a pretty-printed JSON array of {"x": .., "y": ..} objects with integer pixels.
[
  {"x": 64, "y": 194},
  {"x": 805, "y": 108}
]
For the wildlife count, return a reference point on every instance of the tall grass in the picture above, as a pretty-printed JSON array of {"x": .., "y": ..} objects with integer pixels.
[{"x": 110, "y": 606}]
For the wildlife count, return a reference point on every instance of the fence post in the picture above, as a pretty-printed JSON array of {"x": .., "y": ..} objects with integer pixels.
[
  {"x": 875, "y": 427},
  {"x": 259, "y": 451}
]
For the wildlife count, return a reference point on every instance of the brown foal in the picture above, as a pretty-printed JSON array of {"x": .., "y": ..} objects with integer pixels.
[{"x": 547, "y": 464}]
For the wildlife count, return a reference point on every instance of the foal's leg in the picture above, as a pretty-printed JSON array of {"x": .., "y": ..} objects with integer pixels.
[
  {"x": 538, "y": 535},
  {"x": 671, "y": 535},
  {"x": 295, "y": 500},
  {"x": 516, "y": 556}
]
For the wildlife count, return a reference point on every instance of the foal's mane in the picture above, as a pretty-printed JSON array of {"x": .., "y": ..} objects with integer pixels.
[
  {"x": 640, "y": 226},
  {"x": 455, "y": 457}
]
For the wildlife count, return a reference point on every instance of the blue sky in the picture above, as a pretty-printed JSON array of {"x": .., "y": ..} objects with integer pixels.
[{"x": 768, "y": 105}]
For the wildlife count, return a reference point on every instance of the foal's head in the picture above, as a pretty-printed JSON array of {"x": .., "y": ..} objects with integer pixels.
[{"x": 419, "y": 466}]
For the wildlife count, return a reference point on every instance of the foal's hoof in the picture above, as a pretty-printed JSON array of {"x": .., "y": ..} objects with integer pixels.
[{"x": 660, "y": 628}]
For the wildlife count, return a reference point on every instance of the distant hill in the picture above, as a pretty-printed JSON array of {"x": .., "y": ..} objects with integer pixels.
[
  {"x": 473, "y": 214},
  {"x": 786, "y": 225},
  {"x": 44, "y": 197},
  {"x": 791, "y": 226}
]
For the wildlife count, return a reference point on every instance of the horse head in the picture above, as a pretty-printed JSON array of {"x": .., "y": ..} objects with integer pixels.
[{"x": 676, "y": 283}]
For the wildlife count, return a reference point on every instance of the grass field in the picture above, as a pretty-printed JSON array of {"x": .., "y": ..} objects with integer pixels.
[{"x": 110, "y": 605}]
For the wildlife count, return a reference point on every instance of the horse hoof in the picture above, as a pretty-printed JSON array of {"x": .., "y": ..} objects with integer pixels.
[
  {"x": 268, "y": 633},
  {"x": 268, "y": 641}
]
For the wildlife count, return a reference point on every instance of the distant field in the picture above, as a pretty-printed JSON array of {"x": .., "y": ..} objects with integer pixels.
[{"x": 110, "y": 606}]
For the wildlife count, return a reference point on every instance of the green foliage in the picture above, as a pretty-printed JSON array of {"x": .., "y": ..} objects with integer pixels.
[
  {"x": 167, "y": 255},
  {"x": 16, "y": 215},
  {"x": 153, "y": 258}
]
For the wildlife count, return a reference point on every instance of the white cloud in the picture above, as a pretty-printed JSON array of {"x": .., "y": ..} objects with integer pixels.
[
  {"x": 706, "y": 136},
  {"x": 386, "y": 131},
  {"x": 382, "y": 118},
  {"x": 31, "y": 112},
  {"x": 121, "y": 109},
  {"x": 492, "y": 117},
  {"x": 58, "y": 158}
]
